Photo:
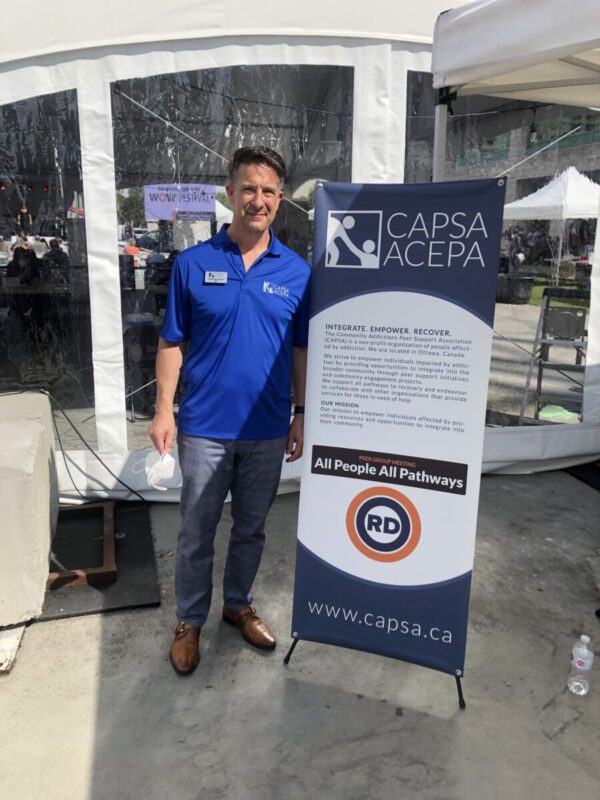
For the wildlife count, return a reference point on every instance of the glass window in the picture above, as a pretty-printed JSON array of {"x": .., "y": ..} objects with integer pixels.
[
  {"x": 45, "y": 334},
  {"x": 173, "y": 136},
  {"x": 533, "y": 379}
]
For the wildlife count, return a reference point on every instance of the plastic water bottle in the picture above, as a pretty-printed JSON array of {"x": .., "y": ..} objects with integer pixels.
[{"x": 582, "y": 659}]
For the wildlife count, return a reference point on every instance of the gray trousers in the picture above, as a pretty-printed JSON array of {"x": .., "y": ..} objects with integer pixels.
[{"x": 211, "y": 468}]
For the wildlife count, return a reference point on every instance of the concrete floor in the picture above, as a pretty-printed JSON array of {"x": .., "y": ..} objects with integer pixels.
[{"x": 93, "y": 711}]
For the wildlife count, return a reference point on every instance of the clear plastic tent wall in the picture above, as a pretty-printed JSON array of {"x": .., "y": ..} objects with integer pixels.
[
  {"x": 103, "y": 101},
  {"x": 102, "y": 104}
]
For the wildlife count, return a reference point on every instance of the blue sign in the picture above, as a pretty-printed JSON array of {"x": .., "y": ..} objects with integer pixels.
[{"x": 403, "y": 296}]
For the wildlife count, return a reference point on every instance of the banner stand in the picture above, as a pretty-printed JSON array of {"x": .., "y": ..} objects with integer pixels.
[
  {"x": 458, "y": 674},
  {"x": 402, "y": 306}
]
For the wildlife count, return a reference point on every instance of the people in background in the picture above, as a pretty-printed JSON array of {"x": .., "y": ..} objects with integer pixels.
[
  {"x": 156, "y": 257},
  {"x": 157, "y": 272},
  {"x": 21, "y": 242},
  {"x": 131, "y": 249},
  {"x": 55, "y": 263},
  {"x": 25, "y": 266},
  {"x": 23, "y": 220},
  {"x": 40, "y": 246}
]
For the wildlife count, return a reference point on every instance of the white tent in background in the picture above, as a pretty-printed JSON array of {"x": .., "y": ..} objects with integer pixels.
[
  {"x": 570, "y": 195},
  {"x": 222, "y": 213},
  {"x": 543, "y": 51}
]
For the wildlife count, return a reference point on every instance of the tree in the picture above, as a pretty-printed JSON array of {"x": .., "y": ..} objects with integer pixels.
[{"x": 131, "y": 208}]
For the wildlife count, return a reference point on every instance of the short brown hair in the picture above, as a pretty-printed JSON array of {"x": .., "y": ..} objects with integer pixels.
[{"x": 258, "y": 155}]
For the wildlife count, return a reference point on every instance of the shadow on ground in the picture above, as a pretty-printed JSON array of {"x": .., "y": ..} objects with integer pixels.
[
  {"x": 95, "y": 708},
  {"x": 343, "y": 724}
]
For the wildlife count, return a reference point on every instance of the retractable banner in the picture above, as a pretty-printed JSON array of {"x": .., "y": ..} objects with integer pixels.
[{"x": 403, "y": 293}]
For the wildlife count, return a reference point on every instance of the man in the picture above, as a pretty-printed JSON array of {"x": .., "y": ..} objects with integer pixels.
[{"x": 237, "y": 319}]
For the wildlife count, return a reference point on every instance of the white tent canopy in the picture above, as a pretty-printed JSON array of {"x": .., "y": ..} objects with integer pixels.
[
  {"x": 570, "y": 195},
  {"x": 541, "y": 51},
  {"x": 216, "y": 22}
]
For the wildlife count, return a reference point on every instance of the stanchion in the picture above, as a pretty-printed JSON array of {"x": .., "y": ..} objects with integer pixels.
[
  {"x": 295, "y": 641},
  {"x": 461, "y": 699}
]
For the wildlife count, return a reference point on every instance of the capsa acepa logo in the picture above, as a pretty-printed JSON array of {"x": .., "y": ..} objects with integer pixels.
[{"x": 383, "y": 524}]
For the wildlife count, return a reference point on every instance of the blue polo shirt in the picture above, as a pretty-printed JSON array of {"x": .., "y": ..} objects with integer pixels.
[{"x": 241, "y": 327}]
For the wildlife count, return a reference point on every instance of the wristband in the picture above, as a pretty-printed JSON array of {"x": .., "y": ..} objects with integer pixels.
[{"x": 298, "y": 409}]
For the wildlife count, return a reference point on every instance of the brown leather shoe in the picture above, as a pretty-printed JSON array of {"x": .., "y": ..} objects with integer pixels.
[
  {"x": 185, "y": 650},
  {"x": 251, "y": 626}
]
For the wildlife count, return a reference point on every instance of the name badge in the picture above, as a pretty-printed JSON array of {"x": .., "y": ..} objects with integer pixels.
[{"x": 215, "y": 277}]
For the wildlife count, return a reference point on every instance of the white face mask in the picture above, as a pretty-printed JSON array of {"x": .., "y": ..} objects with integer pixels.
[{"x": 159, "y": 469}]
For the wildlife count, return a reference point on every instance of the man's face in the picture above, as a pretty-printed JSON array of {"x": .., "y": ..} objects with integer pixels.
[{"x": 255, "y": 195}]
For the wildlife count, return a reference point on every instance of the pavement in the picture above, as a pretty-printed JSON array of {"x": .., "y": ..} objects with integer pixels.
[{"x": 92, "y": 709}]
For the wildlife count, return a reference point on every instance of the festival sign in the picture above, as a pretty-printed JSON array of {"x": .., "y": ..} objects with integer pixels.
[
  {"x": 179, "y": 201},
  {"x": 403, "y": 294}
]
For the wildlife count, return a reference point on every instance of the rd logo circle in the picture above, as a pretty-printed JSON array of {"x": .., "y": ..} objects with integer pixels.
[{"x": 383, "y": 524}]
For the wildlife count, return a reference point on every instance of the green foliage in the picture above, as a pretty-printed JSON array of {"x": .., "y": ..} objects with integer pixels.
[
  {"x": 224, "y": 200},
  {"x": 540, "y": 284},
  {"x": 131, "y": 208}
]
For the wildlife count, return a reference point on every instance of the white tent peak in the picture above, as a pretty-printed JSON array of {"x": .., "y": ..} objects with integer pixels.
[
  {"x": 222, "y": 213},
  {"x": 570, "y": 195}
]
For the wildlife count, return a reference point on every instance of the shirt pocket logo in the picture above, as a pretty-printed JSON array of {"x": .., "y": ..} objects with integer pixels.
[{"x": 275, "y": 288}]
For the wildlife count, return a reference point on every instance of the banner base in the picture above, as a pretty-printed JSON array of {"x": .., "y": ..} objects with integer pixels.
[
  {"x": 461, "y": 700},
  {"x": 295, "y": 641},
  {"x": 458, "y": 674}
]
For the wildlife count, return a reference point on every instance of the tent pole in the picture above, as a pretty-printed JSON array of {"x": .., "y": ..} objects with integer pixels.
[
  {"x": 560, "y": 252},
  {"x": 444, "y": 104},
  {"x": 591, "y": 380},
  {"x": 439, "y": 143}
]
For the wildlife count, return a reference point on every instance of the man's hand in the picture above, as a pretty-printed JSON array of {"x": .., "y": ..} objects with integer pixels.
[
  {"x": 169, "y": 359},
  {"x": 162, "y": 431},
  {"x": 295, "y": 442}
]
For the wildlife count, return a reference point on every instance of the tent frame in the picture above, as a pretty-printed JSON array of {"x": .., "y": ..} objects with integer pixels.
[{"x": 521, "y": 74}]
